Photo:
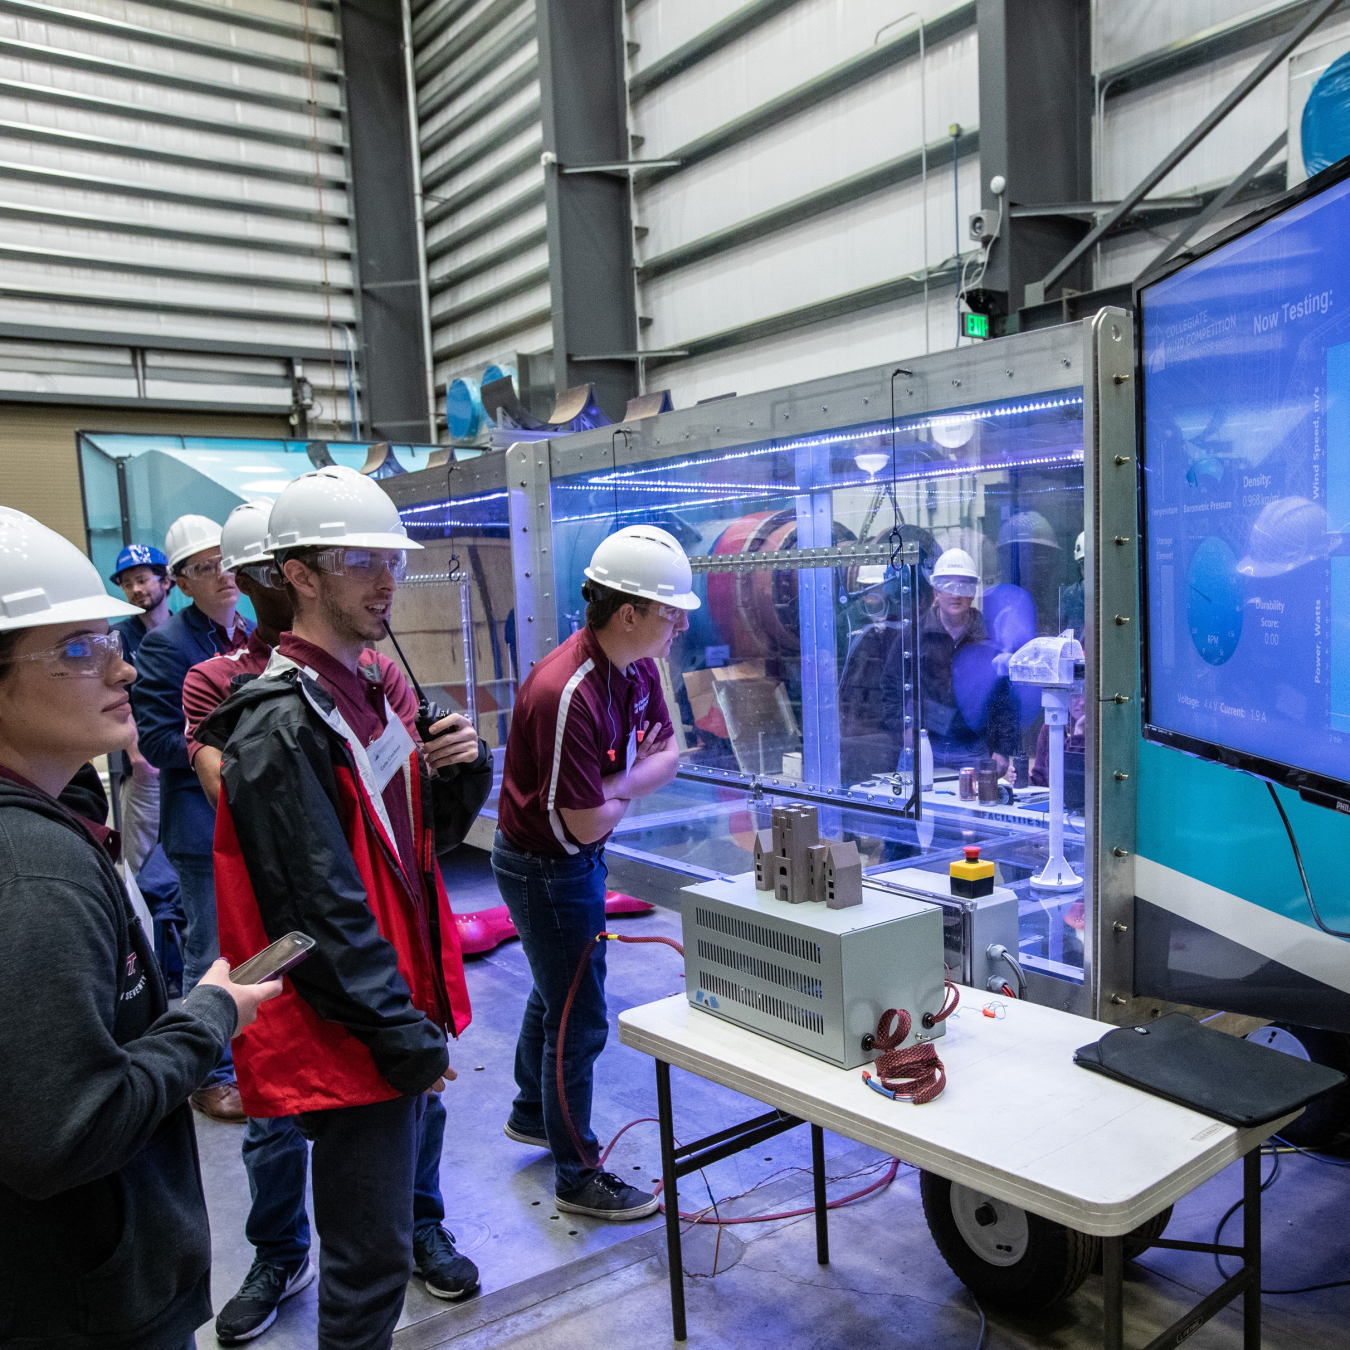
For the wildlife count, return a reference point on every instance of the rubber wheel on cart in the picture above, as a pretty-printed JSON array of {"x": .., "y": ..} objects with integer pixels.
[
  {"x": 1005, "y": 1256},
  {"x": 1323, "y": 1120},
  {"x": 1139, "y": 1240}
]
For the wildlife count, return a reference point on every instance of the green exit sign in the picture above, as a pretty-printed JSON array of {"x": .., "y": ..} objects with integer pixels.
[{"x": 975, "y": 325}]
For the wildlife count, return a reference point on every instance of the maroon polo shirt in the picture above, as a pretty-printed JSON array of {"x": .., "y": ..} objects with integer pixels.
[
  {"x": 360, "y": 699},
  {"x": 569, "y": 731},
  {"x": 207, "y": 686}
]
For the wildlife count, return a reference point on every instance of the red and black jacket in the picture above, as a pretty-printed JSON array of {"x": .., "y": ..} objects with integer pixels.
[{"x": 300, "y": 846}]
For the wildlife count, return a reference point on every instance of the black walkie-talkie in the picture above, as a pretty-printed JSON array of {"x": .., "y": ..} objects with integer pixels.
[{"x": 428, "y": 713}]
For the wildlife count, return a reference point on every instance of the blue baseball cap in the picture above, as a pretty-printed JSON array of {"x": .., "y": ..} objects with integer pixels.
[{"x": 138, "y": 555}]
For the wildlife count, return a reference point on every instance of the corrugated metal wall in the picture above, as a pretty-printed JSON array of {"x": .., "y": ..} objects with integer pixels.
[
  {"x": 476, "y": 66},
  {"x": 782, "y": 247},
  {"x": 173, "y": 185}
]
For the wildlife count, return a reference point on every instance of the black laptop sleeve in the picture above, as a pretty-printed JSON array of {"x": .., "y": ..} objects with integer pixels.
[{"x": 1233, "y": 1080}]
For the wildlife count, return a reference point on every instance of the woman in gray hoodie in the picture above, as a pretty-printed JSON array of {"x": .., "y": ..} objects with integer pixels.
[{"x": 103, "y": 1230}]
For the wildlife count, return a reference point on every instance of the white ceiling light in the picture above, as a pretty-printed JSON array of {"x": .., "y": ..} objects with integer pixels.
[{"x": 871, "y": 462}]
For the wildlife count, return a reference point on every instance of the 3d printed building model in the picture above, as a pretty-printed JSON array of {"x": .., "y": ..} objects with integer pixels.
[{"x": 793, "y": 862}]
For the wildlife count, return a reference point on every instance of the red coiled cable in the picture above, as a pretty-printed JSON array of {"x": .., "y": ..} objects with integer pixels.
[{"x": 914, "y": 1074}]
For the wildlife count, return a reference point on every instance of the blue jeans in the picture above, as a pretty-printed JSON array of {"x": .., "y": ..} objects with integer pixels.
[
  {"x": 276, "y": 1158},
  {"x": 201, "y": 942},
  {"x": 557, "y": 906}
]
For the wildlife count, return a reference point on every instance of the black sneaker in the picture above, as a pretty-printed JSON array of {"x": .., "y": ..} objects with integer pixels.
[
  {"x": 606, "y": 1196},
  {"x": 446, "y": 1272},
  {"x": 524, "y": 1136},
  {"x": 254, "y": 1308}
]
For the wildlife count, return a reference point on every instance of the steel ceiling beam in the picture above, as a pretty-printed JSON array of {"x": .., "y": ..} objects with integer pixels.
[
  {"x": 590, "y": 221},
  {"x": 392, "y": 333},
  {"x": 1312, "y": 18},
  {"x": 1200, "y": 49}
]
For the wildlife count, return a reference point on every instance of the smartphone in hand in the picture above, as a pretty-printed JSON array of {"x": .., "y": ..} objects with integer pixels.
[{"x": 274, "y": 961}]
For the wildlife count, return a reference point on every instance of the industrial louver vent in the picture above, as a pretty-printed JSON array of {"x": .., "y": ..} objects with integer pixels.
[
  {"x": 786, "y": 943},
  {"x": 761, "y": 970},
  {"x": 763, "y": 1003}
]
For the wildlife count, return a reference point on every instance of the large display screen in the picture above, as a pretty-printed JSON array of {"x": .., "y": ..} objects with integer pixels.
[{"x": 1245, "y": 356}]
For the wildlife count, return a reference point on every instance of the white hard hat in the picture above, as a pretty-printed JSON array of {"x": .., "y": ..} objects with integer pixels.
[
  {"x": 189, "y": 535},
  {"x": 646, "y": 561},
  {"x": 955, "y": 573},
  {"x": 336, "y": 506},
  {"x": 244, "y": 537},
  {"x": 45, "y": 579},
  {"x": 1080, "y": 546}
]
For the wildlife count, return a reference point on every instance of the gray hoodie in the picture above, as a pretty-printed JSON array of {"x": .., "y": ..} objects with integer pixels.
[{"x": 103, "y": 1231}]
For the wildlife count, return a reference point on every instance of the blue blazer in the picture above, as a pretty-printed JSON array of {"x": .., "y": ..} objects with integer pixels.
[{"x": 187, "y": 824}]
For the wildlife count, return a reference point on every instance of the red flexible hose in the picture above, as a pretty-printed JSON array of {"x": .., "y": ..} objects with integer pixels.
[
  {"x": 582, "y": 1152},
  {"x": 582, "y": 966}
]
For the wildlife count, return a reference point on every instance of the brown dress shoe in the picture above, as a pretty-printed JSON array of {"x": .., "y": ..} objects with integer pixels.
[{"x": 220, "y": 1102}]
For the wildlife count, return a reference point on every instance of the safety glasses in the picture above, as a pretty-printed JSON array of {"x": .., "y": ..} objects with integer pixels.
[
  {"x": 956, "y": 586},
  {"x": 671, "y": 613},
  {"x": 88, "y": 654},
  {"x": 363, "y": 563},
  {"x": 200, "y": 571},
  {"x": 264, "y": 573}
]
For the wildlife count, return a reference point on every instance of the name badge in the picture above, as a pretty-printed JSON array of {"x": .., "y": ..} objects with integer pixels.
[
  {"x": 388, "y": 754},
  {"x": 630, "y": 753}
]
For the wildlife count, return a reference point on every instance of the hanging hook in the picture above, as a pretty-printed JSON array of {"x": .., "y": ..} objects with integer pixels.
[{"x": 614, "y": 462}]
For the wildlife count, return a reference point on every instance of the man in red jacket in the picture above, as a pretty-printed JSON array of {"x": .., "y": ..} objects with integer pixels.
[
  {"x": 328, "y": 822},
  {"x": 276, "y": 1156}
]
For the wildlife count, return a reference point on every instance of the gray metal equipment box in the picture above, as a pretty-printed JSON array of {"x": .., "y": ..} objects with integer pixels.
[
  {"x": 814, "y": 978},
  {"x": 970, "y": 927}
]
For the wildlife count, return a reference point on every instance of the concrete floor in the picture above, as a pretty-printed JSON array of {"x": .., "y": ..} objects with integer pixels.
[{"x": 554, "y": 1281}]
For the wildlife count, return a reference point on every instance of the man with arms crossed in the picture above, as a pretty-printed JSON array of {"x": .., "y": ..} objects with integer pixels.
[{"x": 589, "y": 733}]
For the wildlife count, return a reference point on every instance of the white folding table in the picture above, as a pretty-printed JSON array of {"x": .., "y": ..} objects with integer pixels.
[{"x": 1019, "y": 1121}]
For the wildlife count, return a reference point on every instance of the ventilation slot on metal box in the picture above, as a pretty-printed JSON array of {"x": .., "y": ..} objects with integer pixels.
[
  {"x": 760, "y": 936},
  {"x": 809, "y": 985},
  {"x": 764, "y": 1003}
]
